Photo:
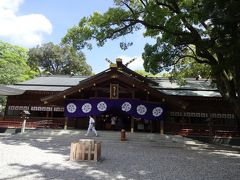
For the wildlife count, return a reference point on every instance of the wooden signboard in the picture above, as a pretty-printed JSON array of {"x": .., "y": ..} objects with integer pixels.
[{"x": 114, "y": 91}]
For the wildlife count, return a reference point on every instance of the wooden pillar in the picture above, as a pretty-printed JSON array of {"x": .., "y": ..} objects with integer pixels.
[
  {"x": 51, "y": 115},
  {"x": 65, "y": 123},
  {"x": 161, "y": 127},
  {"x": 132, "y": 119},
  {"x": 151, "y": 126},
  {"x": 5, "y": 110},
  {"x": 210, "y": 126},
  {"x": 132, "y": 124}
]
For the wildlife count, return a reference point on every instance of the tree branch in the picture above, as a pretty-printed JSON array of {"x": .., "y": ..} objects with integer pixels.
[
  {"x": 128, "y": 7},
  {"x": 118, "y": 31},
  {"x": 143, "y": 3},
  {"x": 157, "y": 27},
  {"x": 204, "y": 25},
  {"x": 206, "y": 55},
  {"x": 193, "y": 57},
  {"x": 165, "y": 5},
  {"x": 197, "y": 59},
  {"x": 190, "y": 28},
  {"x": 191, "y": 50}
]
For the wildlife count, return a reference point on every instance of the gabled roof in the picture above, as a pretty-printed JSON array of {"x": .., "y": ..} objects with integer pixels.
[
  {"x": 60, "y": 83},
  {"x": 115, "y": 72},
  {"x": 111, "y": 73},
  {"x": 132, "y": 73}
]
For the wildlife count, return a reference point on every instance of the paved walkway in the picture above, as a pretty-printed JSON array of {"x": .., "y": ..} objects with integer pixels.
[{"x": 45, "y": 155}]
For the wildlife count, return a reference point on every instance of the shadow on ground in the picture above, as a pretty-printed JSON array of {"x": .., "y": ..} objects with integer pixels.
[{"x": 120, "y": 160}]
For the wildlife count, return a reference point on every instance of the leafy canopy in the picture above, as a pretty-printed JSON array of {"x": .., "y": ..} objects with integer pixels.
[
  {"x": 56, "y": 59},
  {"x": 206, "y": 31},
  {"x": 146, "y": 74},
  {"x": 13, "y": 67},
  {"x": 13, "y": 64}
]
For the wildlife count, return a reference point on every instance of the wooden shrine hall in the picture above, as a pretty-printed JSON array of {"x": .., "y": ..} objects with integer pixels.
[{"x": 139, "y": 103}]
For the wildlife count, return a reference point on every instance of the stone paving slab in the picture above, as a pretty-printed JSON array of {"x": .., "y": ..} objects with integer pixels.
[{"x": 48, "y": 158}]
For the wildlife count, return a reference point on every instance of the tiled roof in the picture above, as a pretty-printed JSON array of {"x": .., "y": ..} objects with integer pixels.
[
  {"x": 59, "y": 83},
  {"x": 8, "y": 91},
  {"x": 191, "y": 83},
  {"x": 55, "y": 80},
  {"x": 193, "y": 87},
  {"x": 40, "y": 88},
  {"x": 49, "y": 83}
]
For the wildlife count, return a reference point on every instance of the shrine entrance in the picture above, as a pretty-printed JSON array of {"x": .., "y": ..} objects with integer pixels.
[
  {"x": 113, "y": 120},
  {"x": 117, "y": 91},
  {"x": 115, "y": 114}
]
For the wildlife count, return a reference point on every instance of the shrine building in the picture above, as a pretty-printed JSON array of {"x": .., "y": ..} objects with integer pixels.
[{"x": 140, "y": 104}]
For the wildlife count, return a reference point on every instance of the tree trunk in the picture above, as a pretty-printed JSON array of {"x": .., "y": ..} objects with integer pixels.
[
  {"x": 236, "y": 109},
  {"x": 228, "y": 88}
]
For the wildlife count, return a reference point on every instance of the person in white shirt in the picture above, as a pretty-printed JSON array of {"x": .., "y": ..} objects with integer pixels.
[
  {"x": 113, "y": 122},
  {"x": 91, "y": 126}
]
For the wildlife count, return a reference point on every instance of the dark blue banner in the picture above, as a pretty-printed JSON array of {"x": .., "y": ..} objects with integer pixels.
[{"x": 94, "y": 107}]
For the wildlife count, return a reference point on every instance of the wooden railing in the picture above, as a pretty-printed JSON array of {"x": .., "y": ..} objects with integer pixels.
[
  {"x": 16, "y": 122},
  {"x": 10, "y": 124},
  {"x": 202, "y": 130}
]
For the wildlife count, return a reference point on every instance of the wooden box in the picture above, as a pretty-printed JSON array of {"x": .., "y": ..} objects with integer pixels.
[{"x": 85, "y": 149}]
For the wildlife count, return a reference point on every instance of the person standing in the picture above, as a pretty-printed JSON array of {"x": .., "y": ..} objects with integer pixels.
[
  {"x": 113, "y": 122},
  {"x": 91, "y": 126}
]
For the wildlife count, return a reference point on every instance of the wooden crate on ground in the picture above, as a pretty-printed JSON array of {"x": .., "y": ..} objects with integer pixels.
[{"x": 85, "y": 149}]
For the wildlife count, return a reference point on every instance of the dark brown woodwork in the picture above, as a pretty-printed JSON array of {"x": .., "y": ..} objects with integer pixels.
[
  {"x": 114, "y": 91},
  {"x": 129, "y": 84}
]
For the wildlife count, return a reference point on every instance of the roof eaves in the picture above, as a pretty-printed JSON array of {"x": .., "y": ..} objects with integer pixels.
[
  {"x": 83, "y": 84},
  {"x": 9, "y": 91}
]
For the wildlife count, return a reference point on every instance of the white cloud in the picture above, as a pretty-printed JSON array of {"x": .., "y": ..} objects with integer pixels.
[
  {"x": 137, "y": 64},
  {"x": 26, "y": 30}
]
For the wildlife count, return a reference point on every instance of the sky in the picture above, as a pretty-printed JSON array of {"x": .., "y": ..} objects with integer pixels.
[{"x": 29, "y": 23}]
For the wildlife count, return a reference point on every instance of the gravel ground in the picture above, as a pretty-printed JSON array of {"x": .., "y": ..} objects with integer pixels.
[{"x": 48, "y": 158}]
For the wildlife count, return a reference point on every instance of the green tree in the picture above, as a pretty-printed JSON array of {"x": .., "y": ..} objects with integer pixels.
[
  {"x": 188, "y": 68},
  {"x": 212, "y": 28},
  {"x": 13, "y": 64},
  {"x": 146, "y": 74},
  {"x": 56, "y": 59}
]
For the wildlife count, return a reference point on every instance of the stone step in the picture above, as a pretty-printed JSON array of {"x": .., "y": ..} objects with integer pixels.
[
  {"x": 108, "y": 134},
  {"x": 112, "y": 136},
  {"x": 137, "y": 138},
  {"x": 151, "y": 139},
  {"x": 103, "y": 139}
]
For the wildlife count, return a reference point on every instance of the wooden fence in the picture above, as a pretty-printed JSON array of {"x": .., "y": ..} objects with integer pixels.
[
  {"x": 189, "y": 130},
  {"x": 32, "y": 123}
]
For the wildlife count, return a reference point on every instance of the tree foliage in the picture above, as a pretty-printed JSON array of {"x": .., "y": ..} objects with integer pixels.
[
  {"x": 147, "y": 74},
  {"x": 209, "y": 30},
  {"x": 188, "y": 68},
  {"x": 56, "y": 59},
  {"x": 13, "y": 64}
]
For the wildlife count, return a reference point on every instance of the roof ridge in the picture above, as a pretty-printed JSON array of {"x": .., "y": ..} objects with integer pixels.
[{"x": 63, "y": 75}]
